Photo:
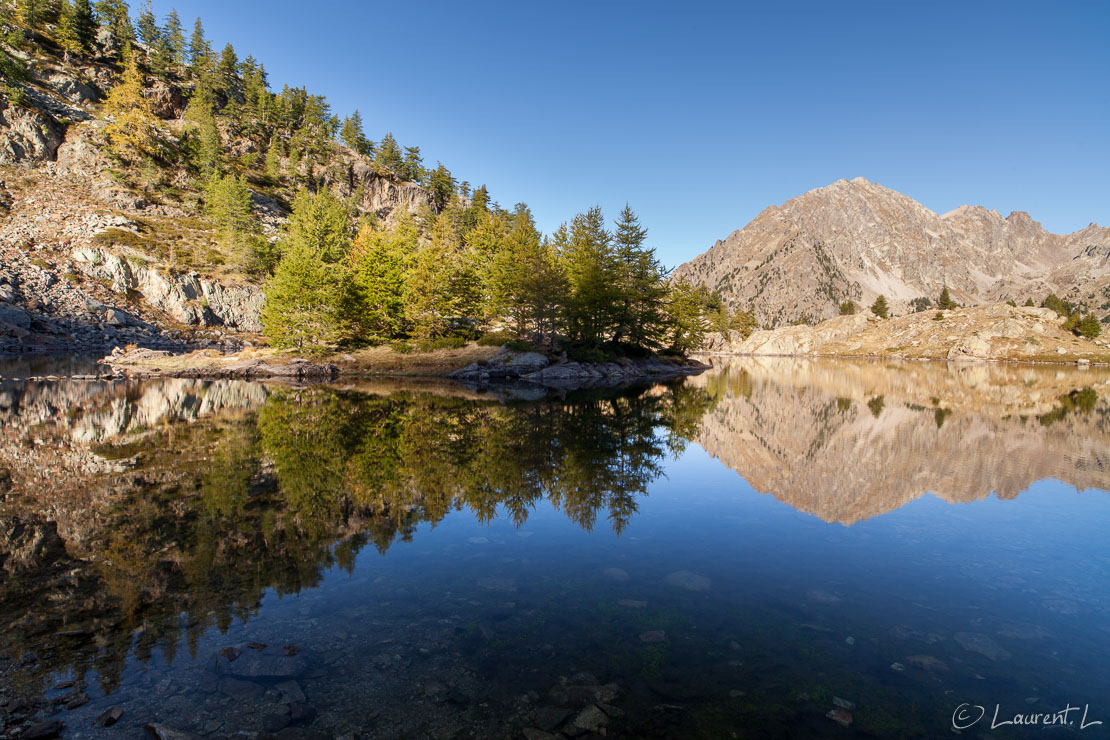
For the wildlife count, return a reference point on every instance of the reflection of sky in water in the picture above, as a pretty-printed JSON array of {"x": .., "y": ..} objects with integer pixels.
[
  {"x": 1022, "y": 583},
  {"x": 718, "y": 609}
]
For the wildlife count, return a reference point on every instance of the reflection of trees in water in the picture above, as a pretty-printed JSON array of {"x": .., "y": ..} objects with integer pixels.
[{"x": 218, "y": 511}]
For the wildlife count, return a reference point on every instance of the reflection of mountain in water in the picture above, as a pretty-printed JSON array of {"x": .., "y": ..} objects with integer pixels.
[
  {"x": 193, "y": 498},
  {"x": 848, "y": 441}
]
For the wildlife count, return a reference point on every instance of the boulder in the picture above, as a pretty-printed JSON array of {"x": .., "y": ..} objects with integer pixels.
[{"x": 28, "y": 135}]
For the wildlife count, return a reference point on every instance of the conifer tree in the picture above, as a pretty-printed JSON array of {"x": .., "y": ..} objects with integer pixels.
[
  {"x": 174, "y": 36},
  {"x": 131, "y": 130},
  {"x": 442, "y": 185},
  {"x": 228, "y": 67},
  {"x": 115, "y": 16},
  {"x": 200, "y": 51},
  {"x": 84, "y": 24},
  {"x": 388, "y": 156},
  {"x": 352, "y": 135},
  {"x": 638, "y": 318},
  {"x": 309, "y": 299},
  {"x": 945, "y": 302},
  {"x": 686, "y": 324},
  {"x": 743, "y": 322},
  {"x": 377, "y": 268},
  {"x": 880, "y": 308},
  {"x": 147, "y": 26},
  {"x": 228, "y": 204},
  {"x": 591, "y": 269},
  {"x": 431, "y": 298},
  {"x": 67, "y": 35},
  {"x": 412, "y": 166},
  {"x": 848, "y": 308}
]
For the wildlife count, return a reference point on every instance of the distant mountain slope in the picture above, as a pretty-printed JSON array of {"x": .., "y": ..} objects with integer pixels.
[{"x": 857, "y": 240}]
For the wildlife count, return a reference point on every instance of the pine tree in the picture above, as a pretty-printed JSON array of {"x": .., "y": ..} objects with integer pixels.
[
  {"x": 412, "y": 167},
  {"x": 433, "y": 276},
  {"x": 147, "y": 26},
  {"x": 848, "y": 308},
  {"x": 67, "y": 35},
  {"x": 115, "y": 16},
  {"x": 388, "y": 157},
  {"x": 945, "y": 301},
  {"x": 228, "y": 67},
  {"x": 743, "y": 322},
  {"x": 200, "y": 51},
  {"x": 880, "y": 308},
  {"x": 174, "y": 35},
  {"x": 32, "y": 14},
  {"x": 309, "y": 300},
  {"x": 84, "y": 24},
  {"x": 1089, "y": 327},
  {"x": 131, "y": 130},
  {"x": 352, "y": 136},
  {"x": 228, "y": 204},
  {"x": 442, "y": 185}
]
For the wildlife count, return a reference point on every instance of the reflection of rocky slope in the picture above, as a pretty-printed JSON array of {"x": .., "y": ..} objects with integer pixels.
[{"x": 849, "y": 441}]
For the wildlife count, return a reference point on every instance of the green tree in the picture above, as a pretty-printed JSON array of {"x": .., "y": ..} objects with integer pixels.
[
  {"x": 590, "y": 265},
  {"x": 377, "y": 263},
  {"x": 228, "y": 67},
  {"x": 228, "y": 204},
  {"x": 945, "y": 301},
  {"x": 442, "y": 185},
  {"x": 174, "y": 36},
  {"x": 638, "y": 312},
  {"x": 1057, "y": 304},
  {"x": 352, "y": 136},
  {"x": 1089, "y": 327},
  {"x": 115, "y": 16},
  {"x": 1028, "y": 302},
  {"x": 67, "y": 36},
  {"x": 880, "y": 308},
  {"x": 848, "y": 308},
  {"x": 744, "y": 322},
  {"x": 686, "y": 324},
  {"x": 412, "y": 166},
  {"x": 388, "y": 157},
  {"x": 147, "y": 26},
  {"x": 310, "y": 297},
  {"x": 527, "y": 285},
  {"x": 200, "y": 51},
  {"x": 433, "y": 276}
]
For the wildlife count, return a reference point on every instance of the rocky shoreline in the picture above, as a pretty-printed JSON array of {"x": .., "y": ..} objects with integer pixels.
[{"x": 507, "y": 367}]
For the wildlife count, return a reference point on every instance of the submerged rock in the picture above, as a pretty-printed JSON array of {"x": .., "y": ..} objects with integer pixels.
[
  {"x": 978, "y": 643},
  {"x": 653, "y": 636},
  {"x": 265, "y": 663},
  {"x": 689, "y": 581},
  {"x": 49, "y": 728}
]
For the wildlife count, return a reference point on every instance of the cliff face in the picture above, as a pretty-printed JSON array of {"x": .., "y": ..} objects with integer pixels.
[
  {"x": 858, "y": 240},
  {"x": 849, "y": 441},
  {"x": 84, "y": 251}
]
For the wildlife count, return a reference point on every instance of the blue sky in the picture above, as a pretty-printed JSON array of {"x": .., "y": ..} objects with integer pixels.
[{"x": 700, "y": 114}]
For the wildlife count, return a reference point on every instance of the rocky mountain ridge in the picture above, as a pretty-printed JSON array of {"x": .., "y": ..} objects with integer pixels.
[{"x": 856, "y": 240}]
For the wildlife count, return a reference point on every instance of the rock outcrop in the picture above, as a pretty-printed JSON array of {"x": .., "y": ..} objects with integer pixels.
[
  {"x": 540, "y": 369},
  {"x": 992, "y": 332},
  {"x": 856, "y": 240},
  {"x": 189, "y": 298}
]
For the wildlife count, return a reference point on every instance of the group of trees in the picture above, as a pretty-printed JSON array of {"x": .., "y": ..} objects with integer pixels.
[
  {"x": 470, "y": 266},
  {"x": 1076, "y": 321}
]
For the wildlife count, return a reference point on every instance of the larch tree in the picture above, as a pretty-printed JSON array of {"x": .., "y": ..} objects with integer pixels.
[
  {"x": 310, "y": 297},
  {"x": 590, "y": 265},
  {"x": 130, "y": 132},
  {"x": 377, "y": 263}
]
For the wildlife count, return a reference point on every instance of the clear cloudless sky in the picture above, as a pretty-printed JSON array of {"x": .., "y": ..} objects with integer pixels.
[{"x": 702, "y": 114}]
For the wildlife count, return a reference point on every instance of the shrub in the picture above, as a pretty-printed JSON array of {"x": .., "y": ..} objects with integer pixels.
[
  {"x": 939, "y": 316},
  {"x": 495, "y": 339}
]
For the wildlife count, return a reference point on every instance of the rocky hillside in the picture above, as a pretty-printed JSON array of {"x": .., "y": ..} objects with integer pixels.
[
  {"x": 847, "y": 441},
  {"x": 992, "y": 332},
  {"x": 97, "y": 252},
  {"x": 856, "y": 240}
]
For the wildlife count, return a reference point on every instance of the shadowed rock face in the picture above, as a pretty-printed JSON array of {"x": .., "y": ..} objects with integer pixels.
[
  {"x": 849, "y": 441},
  {"x": 858, "y": 240}
]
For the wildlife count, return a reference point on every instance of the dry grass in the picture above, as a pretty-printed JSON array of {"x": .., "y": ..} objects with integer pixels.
[{"x": 373, "y": 361}]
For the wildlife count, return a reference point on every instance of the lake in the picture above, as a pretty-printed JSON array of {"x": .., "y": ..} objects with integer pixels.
[{"x": 773, "y": 549}]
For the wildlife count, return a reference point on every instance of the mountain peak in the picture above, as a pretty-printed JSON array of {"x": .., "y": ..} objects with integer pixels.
[{"x": 856, "y": 239}]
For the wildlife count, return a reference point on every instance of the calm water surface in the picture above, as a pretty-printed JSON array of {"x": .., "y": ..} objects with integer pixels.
[{"x": 772, "y": 549}]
